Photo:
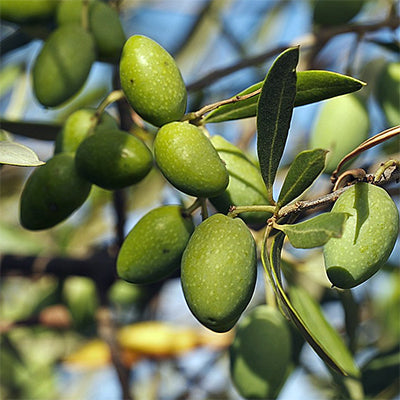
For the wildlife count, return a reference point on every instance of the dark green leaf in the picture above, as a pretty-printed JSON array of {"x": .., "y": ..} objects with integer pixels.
[
  {"x": 312, "y": 86},
  {"x": 305, "y": 168},
  {"x": 17, "y": 154},
  {"x": 35, "y": 130},
  {"x": 315, "y": 231},
  {"x": 274, "y": 113},
  {"x": 325, "y": 339}
]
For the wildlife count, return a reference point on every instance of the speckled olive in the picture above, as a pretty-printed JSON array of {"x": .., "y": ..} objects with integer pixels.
[
  {"x": 153, "y": 248},
  {"x": 368, "y": 238},
  {"x": 218, "y": 271},
  {"x": 260, "y": 353},
  {"x": 52, "y": 193},
  {"x": 152, "y": 81},
  {"x": 189, "y": 161}
]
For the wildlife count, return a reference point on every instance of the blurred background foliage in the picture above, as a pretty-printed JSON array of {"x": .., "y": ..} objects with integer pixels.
[{"x": 63, "y": 313}]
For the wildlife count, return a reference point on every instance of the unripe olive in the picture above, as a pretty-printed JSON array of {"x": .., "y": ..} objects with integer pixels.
[
  {"x": 387, "y": 92},
  {"x": 219, "y": 270},
  {"x": 331, "y": 12},
  {"x": 260, "y": 353},
  {"x": 153, "y": 248},
  {"x": 78, "y": 125},
  {"x": 113, "y": 160},
  {"x": 52, "y": 193},
  {"x": 104, "y": 24},
  {"x": 368, "y": 238},
  {"x": 246, "y": 186},
  {"x": 152, "y": 81},
  {"x": 27, "y": 10},
  {"x": 189, "y": 161},
  {"x": 63, "y": 64},
  {"x": 341, "y": 125}
]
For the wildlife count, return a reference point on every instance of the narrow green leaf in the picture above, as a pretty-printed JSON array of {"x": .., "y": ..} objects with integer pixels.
[
  {"x": 323, "y": 334},
  {"x": 35, "y": 130},
  {"x": 17, "y": 154},
  {"x": 312, "y": 86},
  {"x": 274, "y": 113},
  {"x": 320, "y": 335},
  {"x": 305, "y": 168},
  {"x": 315, "y": 231}
]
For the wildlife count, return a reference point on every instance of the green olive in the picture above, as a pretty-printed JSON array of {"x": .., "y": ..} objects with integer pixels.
[
  {"x": 113, "y": 160},
  {"x": 218, "y": 271},
  {"x": 246, "y": 186},
  {"x": 22, "y": 11},
  {"x": 62, "y": 66},
  {"x": 153, "y": 248},
  {"x": 260, "y": 353},
  {"x": 189, "y": 161},
  {"x": 368, "y": 237},
  {"x": 331, "y": 12},
  {"x": 78, "y": 125},
  {"x": 152, "y": 81},
  {"x": 52, "y": 193}
]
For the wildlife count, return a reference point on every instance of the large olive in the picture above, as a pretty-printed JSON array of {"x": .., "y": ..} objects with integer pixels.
[
  {"x": 335, "y": 12},
  {"x": 113, "y": 160},
  {"x": 368, "y": 238},
  {"x": 341, "y": 125},
  {"x": 22, "y": 11},
  {"x": 189, "y": 161},
  {"x": 152, "y": 81},
  {"x": 260, "y": 353},
  {"x": 218, "y": 271},
  {"x": 78, "y": 125},
  {"x": 246, "y": 186},
  {"x": 52, "y": 193},
  {"x": 153, "y": 248},
  {"x": 63, "y": 64}
]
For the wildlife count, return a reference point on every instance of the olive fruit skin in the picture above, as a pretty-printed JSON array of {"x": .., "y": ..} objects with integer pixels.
[
  {"x": 52, "y": 193},
  {"x": 189, "y": 161},
  {"x": 387, "y": 92},
  {"x": 104, "y": 24},
  {"x": 341, "y": 125},
  {"x": 152, "y": 81},
  {"x": 368, "y": 238},
  {"x": 218, "y": 271},
  {"x": 330, "y": 13},
  {"x": 260, "y": 353},
  {"x": 77, "y": 126},
  {"x": 113, "y": 160},
  {"x": 153, "y": 248},
  {"x": 63, "y": 64},
  {"x": 246, "y": 186},
  {"x": 27, "y": 10}
]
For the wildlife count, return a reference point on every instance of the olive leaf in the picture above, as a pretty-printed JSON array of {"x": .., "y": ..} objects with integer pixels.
[
  {"x": 312, "y": 86},
  {"x": 305, "y": 168},
  {"x": 13, "y": 153},
  {"x": 274, "y": 113},
  {"x": 306, "y": 314},
  {"x": 35, "y": 130},
  {"x": 316, "y": 231}
]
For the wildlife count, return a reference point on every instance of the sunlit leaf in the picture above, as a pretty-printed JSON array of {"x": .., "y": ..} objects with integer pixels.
[
  {"x": 274, "y": 113},
  {"x": 13, "y": 153},
  {"x": 316, "y": 231},
  {"x": 303, "y": 171},
  {"x": 312, "y": 86}
]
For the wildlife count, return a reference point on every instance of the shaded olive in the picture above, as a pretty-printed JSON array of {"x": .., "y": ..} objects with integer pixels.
[
  {"x": 153, "y": 248},
  {"x": 113, "y": 160},
  {"x": 152, "y": 81},
  {"x": 246, "y": 186},
  {"x": 78, "y": 125},
  {"x": 341, "y": 125},
  {"x": 27, "y": 10},
  {"x": 63, "y": 64},
  {"x": 189, "y": 161},
  {"x": 260, "y": 353},
  {"x": 368, "y": 238},
  {"x": 331, "y": 12},
  {"x": 52, "y": 193},
  {"x": 218, "y": 271}
]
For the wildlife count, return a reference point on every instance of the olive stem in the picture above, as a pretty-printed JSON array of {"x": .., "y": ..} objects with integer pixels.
[
  {"x": 85, "y": 15},
  {"x": 236, "y": 210},
  {"x": 204, "y": 211},
  {"x": 385, "y": 166},
  {"x": 193, "y": 207}
]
